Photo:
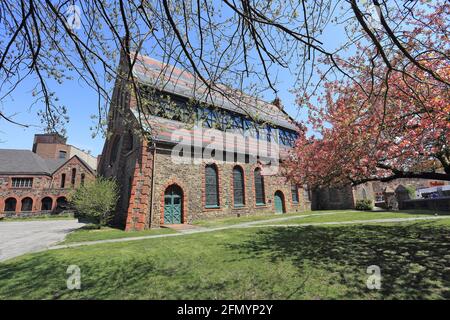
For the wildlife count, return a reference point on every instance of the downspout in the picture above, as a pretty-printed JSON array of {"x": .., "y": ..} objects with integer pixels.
[{"x": 153, "y": 185}]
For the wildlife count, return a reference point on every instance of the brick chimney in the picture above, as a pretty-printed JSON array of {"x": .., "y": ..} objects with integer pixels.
[{"x": 50, "y": 146}]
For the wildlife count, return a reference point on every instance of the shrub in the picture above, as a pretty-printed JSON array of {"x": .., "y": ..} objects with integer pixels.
[
  {"x": 364, "y": 205},
  {"x": 411, "y": 191},
  {"x": 96, "y": 200}
]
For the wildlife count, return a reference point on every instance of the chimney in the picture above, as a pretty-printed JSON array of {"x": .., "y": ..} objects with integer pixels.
[
  {"x": 48, "y": 138},
  {"x": 50, "y": 146}
]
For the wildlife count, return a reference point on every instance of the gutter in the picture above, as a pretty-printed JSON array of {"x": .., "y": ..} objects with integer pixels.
[{"x": 153, "y": 184}]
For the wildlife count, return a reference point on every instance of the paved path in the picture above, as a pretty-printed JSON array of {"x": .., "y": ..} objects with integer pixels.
[
  {"x": 17, "y": 238},
  {"x": 253, "y": 224}
]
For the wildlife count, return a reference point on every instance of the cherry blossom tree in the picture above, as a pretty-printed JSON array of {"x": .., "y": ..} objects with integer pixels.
[{"x": 392, "y": 122}]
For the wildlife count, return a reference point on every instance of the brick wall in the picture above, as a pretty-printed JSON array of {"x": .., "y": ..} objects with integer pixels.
[
  {"x": 44, "y": 186},
  {"x": 333, "y": 198},
  {"x": 51, "y": 150}
]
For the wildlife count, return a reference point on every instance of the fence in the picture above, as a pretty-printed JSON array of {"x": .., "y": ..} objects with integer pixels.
[{"x": 436, "y": 204}]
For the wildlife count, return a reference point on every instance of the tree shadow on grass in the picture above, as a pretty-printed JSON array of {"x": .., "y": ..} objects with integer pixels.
[
  {"x": 414, "y": 259},
  {"x": 135, "y": 276},
  {"x": 42, "y": 277}
]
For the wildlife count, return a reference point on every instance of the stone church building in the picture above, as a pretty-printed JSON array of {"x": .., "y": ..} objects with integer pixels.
[{"x": 212, "y": 180}]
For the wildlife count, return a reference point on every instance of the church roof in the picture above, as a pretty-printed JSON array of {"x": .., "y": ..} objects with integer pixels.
[
  {"x": 14, "y": 161},
  {"x": 170, "y": 79}
]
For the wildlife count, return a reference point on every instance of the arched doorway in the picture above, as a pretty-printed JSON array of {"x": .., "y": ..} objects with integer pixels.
[
  {"x": 279, "y": 202},
  {"x": 173, "y": 205},
  {"x": 10, "y": 204},
  {"x": 46, "y": 204},
  {"x": 27, "y": 204},
  {"x": 61, "y": 204}
]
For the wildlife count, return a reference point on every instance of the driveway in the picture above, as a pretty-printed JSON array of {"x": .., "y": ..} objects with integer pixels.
[{"x": 17, "y": 238}]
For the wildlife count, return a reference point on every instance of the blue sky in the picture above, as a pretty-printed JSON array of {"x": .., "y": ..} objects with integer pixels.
[{"x": 81, "y": 102}]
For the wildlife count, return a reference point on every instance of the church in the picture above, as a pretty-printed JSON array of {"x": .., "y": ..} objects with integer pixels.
[{"x": 207, "y": 154}]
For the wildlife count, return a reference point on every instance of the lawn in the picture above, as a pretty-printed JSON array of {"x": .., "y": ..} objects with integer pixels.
[
  {"x": 320, "y": 262},
  {"x": 221, "y": 222},
  {"x": 89, "y": 234},
  {"x": 353, "y": 216},
  {"x": 316, "y": 216}
]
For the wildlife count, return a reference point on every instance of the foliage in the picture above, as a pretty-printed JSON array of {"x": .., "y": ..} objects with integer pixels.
[
  {"x": 411, "y": 191},
  {"x": 393, "y": 122},
  {"x": 364, "y": 205},
  {"x": 96, "y": 200},
  {"x": 224, "y": 44}
]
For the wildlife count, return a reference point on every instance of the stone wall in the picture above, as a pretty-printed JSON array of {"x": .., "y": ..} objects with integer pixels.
[
  {"x": 440, "y": 204},
  {"x": 191, "y": 178},
  {"x": 136, "y": 194},
  {"x": 333, "y": 198}
]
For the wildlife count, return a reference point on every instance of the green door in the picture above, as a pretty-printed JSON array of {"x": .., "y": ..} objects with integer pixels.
[
  {"x": 279, "y": 205},
  {"x": 172, "y": 205}
]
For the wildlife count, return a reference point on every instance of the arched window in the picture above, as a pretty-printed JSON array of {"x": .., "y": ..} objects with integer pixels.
[
  {"x": 27, "y": 204},
  {"x": 294, "y": 191},
  {"x": 74, "y": 175},
  {"x": 83, "y": 176},
  {"x": 130, "y": 140},
  {"x": 259, "y": 187},
  {"x": 63, "y": 180},
  {"x": 238, "y": 187},
  {"x": 10, "y": 204},
  {"x": 61, "y": 204},
  {"x": 114, "y": 150},
  {"x": 46, "y": 204},
  {"x": 364, "y": 194},
  {"x": 211, "y": 186}
]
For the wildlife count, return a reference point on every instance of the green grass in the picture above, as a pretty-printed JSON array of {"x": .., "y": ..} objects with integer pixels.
[
  {"x": 340, "y": 215},
  {"x": 39, "y": 218},
  {"x": 353, "y": 216},
  {"x": 269, "y": 263},
  {"x": 89, "y": 234},
  {"x": 221, "y": 222}
]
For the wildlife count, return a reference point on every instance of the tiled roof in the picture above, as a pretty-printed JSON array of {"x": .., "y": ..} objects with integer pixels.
[
  {"x": 174, "y": 80},
  {"x": 27, "y": 162}
]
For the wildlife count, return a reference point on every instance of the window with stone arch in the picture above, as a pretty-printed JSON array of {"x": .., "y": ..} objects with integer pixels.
[
  {"x": 74, "y": 176},
  {"x": 364, "y": 194},
  {"x": 259, "y": 187},
  {"x": 27, "y": 204},
  {"x": 238, "y": 187},
  {"x": 294, "y": 192},
  {"x": 211, "y": 186},
  {"x": 114, "y": 150}
]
